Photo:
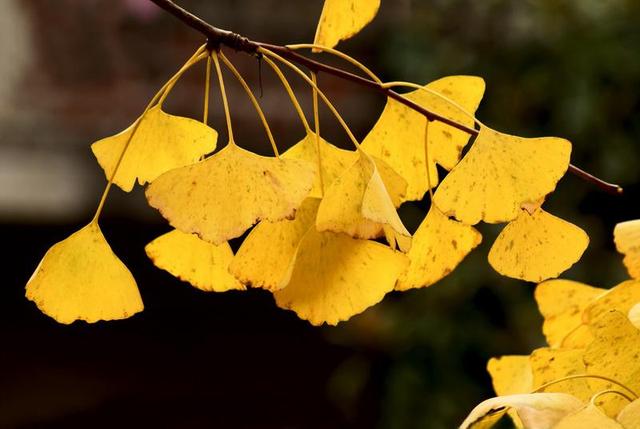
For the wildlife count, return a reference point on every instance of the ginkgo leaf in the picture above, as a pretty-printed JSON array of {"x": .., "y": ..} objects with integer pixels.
[
  {"x": 358, "y": 204},
  {"x": 335, "y": 161},
  {"x": 589, "y": 417},
  {"x": 162, "y": 142},
  {"x": 266, "y": 257},
  {"x": 398, "y": 137},
  {"x": 615, "y": 354},
  {"x": 80, "y": 278},
  {"x": 535, "y": 247},
  {"x": 221, "y": 197},
  {"x": 627, "y": 238},
  {"x": 511, "y": 374},
  {"x": 562, "y": 303},
  {"x": 620, "y": 297},
  {"x": 549, "y": 365},
  {"x": 336, "y": 277},
  {"x": 629, "y": 417},
  {"x": 204, "y": 265},
  {"x": 438, "y": 246},
  {"x": 342, "y": 19},
  {"x": 500, "y": 174},
  {"x": 535, "y": 410}
]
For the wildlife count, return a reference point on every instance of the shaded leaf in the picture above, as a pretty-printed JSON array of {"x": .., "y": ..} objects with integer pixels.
[{"x": 202, "y": 264}]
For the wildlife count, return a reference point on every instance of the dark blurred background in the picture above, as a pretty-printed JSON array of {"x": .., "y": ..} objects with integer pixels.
[{"x": 74, "y": 71}]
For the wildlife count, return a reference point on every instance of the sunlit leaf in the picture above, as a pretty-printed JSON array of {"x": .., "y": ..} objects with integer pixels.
[
  {"x": 536, "y": 247},
  {"x": 535, "y": 410},
  {"x": 204, "y": 265},
  {"x": 438, "y": 246},
  {"x": 221, "y": 197},
  {"x": 627, "y": 238},
  {"x": 589, "y": 417},
  {"x": 267, "y": 255},
  {"x": 629, "y": 417},
  {"x": 634, "y": 315},
  {"x": 500, "y": 174},
  {"x": 80, "y": 278},
  {"x": 162, "y": 142},
  {"x": 342, "y": 19},
  {"x": 398, "y": 137},
  {"x": 358, "y": 204},
  {"x": 562, "y": 303}
]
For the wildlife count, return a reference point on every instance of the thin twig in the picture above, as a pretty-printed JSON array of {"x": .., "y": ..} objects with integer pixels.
[{"x": 217, "y": 37}]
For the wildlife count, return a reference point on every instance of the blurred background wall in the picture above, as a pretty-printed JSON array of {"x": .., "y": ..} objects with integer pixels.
[{"x": 74, "y": 71}]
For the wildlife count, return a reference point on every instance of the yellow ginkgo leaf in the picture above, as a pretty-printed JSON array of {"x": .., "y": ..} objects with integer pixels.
[
  {"x": 336, "y": 277},
  {"x": 511, "y": 374},
  {"x": 535, "y": 247},
  {"x": 589, "y": 417},
  {"x": 80, "y": 278},
  {"x": 335, "y": 161},
  {"x": 535, "y": 410},
  {"x": 438, "y": 246},
  {"x": 398, "y": 137},
  {"x": 221, "y": 197},
  {"x": 358, "y": 204},
  {"x": 620, "y": 297},
  {"x": 629, "y": 417},
  {"x": 627, "y": 238},
  {"x": 342, "y": 19},
  {"x": 550, "y": 365},
  {"x": 562, "y": 303},
  {"x": 500, "y": 174},
  {"x": 615, "y": 354},
  {"x": 162, "y": 142},
  {"x": 266, "y": 257},
  {"x": 204, "y": 265}
]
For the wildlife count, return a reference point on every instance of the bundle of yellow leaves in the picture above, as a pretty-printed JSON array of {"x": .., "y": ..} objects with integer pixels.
[
  {"x": 320, "y": 212},
  {"x": 590, "y": 372}
]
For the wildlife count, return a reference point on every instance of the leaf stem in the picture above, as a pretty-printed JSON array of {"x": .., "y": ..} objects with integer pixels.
[
  {"x": 254, "y": 101},
  {"x": 595, "y": 397},
  {"x": 320, "y": 93},
  {"x": 207, "y": 90},
  {"x": 292, "y": 95},
  {"x": 579, "y": 376},
  {"x": 338, "y": 54},
  {"x": 316, "y": 123},
  {"x": 223, "y": 94}
]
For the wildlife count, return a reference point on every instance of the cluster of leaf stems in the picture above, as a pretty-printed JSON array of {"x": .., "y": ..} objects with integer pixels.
[{"x": 217, "y": 37}]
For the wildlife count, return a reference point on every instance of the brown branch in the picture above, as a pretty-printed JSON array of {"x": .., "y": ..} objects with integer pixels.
[{"x": 217, "y": 37}]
